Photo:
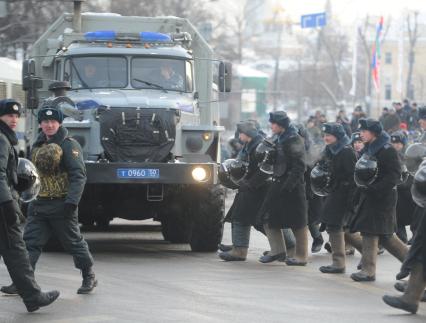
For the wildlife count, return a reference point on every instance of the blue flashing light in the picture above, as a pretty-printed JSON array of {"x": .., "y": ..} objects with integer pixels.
[
  {"x": 154, "y": 37},
  {"x": 100, "y": 35},
  {"x": 111, "y": 35},
  {"x": 87, "y": 105}
]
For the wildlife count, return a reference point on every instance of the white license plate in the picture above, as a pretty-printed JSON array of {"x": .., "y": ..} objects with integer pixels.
[{"x": 138, "y": 173}]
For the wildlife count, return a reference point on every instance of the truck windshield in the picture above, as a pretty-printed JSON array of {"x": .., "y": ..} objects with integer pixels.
[
  {"x": 96, "y": 72},
  {"x": 162, "y": 73}
]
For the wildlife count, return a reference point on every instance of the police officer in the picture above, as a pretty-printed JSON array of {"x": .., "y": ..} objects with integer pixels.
[
  {"x": 59, "y": 160},
  {"x": 285, "y": 203},
  {"x": 339, "y": 157},
  {"x": 414, "y": 290},
  {"x": 251, "y": 192},
  {"x": 422, "y": 123},
  {"x": 375, "y": 216},
  {"x": 405, "y": 206},
  {"x": 12, "y": 247},
  {"x": 357, "y": 144}
]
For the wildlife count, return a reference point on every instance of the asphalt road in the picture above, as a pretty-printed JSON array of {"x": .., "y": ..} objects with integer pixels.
[{"x": 145, "y": 279}]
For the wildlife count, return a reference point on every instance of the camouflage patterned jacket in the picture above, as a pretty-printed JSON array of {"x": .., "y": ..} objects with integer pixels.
[{"x": 69, "y": 180}]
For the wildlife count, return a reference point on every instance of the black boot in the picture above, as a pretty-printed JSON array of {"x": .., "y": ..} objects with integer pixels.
[
  {"x": 269, "y": 258},
  {"x": 317, "y": 244},
  {"x": 89, "y": 281},
  {"x": 41, "y": 300},
  {"x": 10, "y": 290},
  {"x": 397, "y": 302},
  {"x": 402, "y": 286}
]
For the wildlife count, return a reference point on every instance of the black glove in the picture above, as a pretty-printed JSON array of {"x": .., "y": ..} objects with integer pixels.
[
  {"x": 9, "y": 212},
  {"x": 69, "y": 209}
]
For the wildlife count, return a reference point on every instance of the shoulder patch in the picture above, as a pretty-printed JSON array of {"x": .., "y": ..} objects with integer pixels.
[{"x": 75, "y": 153}]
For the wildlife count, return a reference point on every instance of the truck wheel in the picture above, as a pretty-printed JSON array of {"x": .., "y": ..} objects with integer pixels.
[
  {"x": 176, "y": 225},
  {"x": 208, "y": 219}
]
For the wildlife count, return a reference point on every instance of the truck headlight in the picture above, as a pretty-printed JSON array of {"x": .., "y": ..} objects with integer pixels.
[{"x": 200, "y": 174}]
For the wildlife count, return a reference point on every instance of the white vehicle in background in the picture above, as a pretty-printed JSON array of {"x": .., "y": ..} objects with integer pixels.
[{"x": 11, "y": 87}]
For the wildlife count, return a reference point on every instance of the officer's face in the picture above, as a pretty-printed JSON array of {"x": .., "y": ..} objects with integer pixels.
[
  {"x": 166, "y": 71},
  {"x": 398, "y": 146},
  {"x": 422, "y": 123},
  {"x": 49, "y": 127},
  {"x": 11, "y": 120},
  {"x": 329, "y": 139},
  {"x": 358, "y": 146},
  {"x": 276, "y": 129},
  {"x": 367, "y": 136},
  {"x": 89, "y": 71},
  {"x": 244, "y": 138}
]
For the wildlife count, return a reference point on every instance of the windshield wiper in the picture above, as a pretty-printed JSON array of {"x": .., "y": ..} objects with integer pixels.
[
  {"x": 151, "y": 84},
  {"x": 79, "y": 76}
]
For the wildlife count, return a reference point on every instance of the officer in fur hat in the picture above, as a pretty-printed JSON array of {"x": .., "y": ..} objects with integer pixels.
[
  {"x": 12, "y": 247},
  {"x": 405, "y": 206},
  {"x": 251, "y": 193},
  {"x": 59, "y": 160},
  {"x": 375, "y": 212},
  {"x": 340, "y": 158},
  {"x": 285, "y": 203}
]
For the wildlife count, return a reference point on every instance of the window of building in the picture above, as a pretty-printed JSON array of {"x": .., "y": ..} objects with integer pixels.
[
  {"x": 388, "y": 58},
  {"x": 388, "y": 92}
]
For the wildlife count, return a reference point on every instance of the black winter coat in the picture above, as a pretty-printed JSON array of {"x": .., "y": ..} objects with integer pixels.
[
  {"x": 376, "y": 207},
  {"x": 285, "y": 204},
  {"x": 405, "y": 207},
  {"x": 8, "y": 180},
  {"x": 338, "y": 205},
  {"x": 252, "y": 189}
]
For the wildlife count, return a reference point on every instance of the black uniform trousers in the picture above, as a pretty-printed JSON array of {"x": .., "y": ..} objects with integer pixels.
[
  {"x": 15, "y": 257},
  {"x": 47, "y": 217}
]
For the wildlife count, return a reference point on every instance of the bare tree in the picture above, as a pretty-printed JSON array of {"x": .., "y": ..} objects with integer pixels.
[
  {"x": 194, "y": 10},
  {"x": 27, "y": 20},
  {"x": 413, "y": 35}
]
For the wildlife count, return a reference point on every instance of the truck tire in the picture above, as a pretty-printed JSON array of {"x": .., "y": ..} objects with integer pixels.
[
  {"x": 176, "y": 224},
  {"x": 208, "y": 221}
]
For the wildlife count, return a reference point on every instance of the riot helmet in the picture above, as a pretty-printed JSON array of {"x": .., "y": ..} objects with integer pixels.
[
  {"x": 366, "y": 171},
  {"x": 418, "y": 190},
  {"x": 265, "y": 155},
  {"x": 225, "y": 176},
  {"x": 320, "y": 180},
  {"x": 28, "y": 180},
  {"x": 237, "y": 171},
  {"x": 414, "y": 155}
]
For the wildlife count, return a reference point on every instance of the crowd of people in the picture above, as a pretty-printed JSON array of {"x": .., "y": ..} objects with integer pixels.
[{"x": 357, "y": 189}]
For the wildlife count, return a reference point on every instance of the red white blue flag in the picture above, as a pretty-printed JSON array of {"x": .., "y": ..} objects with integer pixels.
[{"x": 375, "y": 63}]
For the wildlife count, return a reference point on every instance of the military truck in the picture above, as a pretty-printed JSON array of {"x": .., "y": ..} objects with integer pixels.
[{"x": 145, "y": 94}]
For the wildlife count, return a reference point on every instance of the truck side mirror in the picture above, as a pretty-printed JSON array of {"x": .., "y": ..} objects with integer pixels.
[
  {"x": 225, "y": 77},
  {"x": 30, "y": 84}
]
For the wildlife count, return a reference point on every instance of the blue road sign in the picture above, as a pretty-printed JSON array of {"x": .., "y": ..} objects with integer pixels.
[{"x": 314, "y": 20}]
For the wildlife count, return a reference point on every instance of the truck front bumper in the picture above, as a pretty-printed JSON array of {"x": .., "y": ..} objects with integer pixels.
[{"x": 150, "y": 173}]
